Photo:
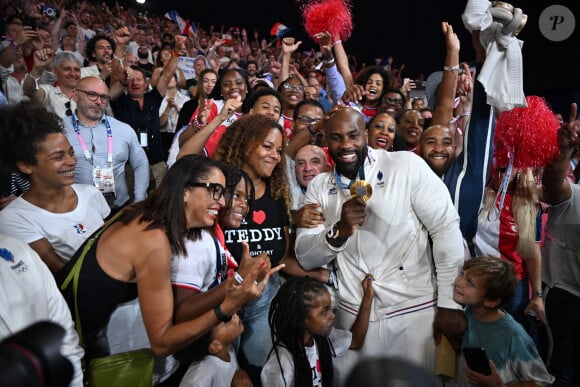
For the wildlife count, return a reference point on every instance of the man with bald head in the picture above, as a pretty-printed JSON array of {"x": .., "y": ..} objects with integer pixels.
[
  {"x": 405, "y": 233},
  {"x": 103, "y": 144},
  {"x": 310, "y": 160},
  {"x": 437, "y": 148}
]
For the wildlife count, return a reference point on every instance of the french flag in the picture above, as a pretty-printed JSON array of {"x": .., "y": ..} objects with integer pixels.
[{"x": 184, "y": 25}]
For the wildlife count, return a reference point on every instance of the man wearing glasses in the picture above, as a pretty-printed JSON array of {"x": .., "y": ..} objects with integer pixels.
[
  {"x": 56, "y": 99},
  {"x": 393, "y": 103},
  {"x": 103, "y": 145}
]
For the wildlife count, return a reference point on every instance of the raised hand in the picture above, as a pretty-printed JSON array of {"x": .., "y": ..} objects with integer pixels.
[
  {"x": 289, "y": 45},
  {"x": 180, "y": 45},
  {"x": 451, "y": 39},
  {"x": 465, "y": 85},
  {"x": 122, "y": 36},
  {"x": 43, "y": 58},
  {"x": 25, "y": 34},
  {"x": 231, "y": 106},
  {"x": 354, "y": 93},
  {"x": 569, "y": 132}
]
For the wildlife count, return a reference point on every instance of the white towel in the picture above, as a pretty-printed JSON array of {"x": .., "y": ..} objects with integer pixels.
[{"x": 502, "y": 72}]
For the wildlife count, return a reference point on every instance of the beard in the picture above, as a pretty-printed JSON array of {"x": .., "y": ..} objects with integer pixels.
[{"x": 350, "y": 170}]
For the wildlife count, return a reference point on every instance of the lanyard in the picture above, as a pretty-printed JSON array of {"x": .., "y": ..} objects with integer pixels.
[
  {"x": 86, "y": 151},
  {"x": 361, "y": 176}
]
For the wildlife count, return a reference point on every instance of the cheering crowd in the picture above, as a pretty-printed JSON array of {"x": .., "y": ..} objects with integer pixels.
[{"x": 275, "y": 217}]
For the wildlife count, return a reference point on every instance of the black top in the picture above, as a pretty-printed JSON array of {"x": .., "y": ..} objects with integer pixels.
[
  {"x": 263, "y": 230},
  {"x": 144, "y": 119},
  {"x": 98, "y": 296}
]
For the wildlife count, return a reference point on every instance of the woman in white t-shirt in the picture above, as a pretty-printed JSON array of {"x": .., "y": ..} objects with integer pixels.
[{"x": 55, "y": 216}]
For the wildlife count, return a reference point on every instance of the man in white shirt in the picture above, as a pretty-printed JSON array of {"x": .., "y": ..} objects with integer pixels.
[
  {"x": 56, "y": 99},
  {"x": 29, "y": 294},
  {"x": 405, "y": 233}
]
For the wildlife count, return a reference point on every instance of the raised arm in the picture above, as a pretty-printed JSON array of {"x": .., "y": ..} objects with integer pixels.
[
  {"x": 42, "y": 60},
  {"x": 288, "y": 47},
  {"x": 193, "y": 143},
  {"x": 342, "y": 62},
  {"x": 170, "y": 67},
  {"x": 446, "y": 93},
  {"x": 333, "y": 65},
  {"x": 556, "y": 187}
]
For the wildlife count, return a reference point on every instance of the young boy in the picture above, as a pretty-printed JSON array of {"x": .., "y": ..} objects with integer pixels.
[
  {"x": 483, "y": 285},
  {"x": 215, "y": 361}
]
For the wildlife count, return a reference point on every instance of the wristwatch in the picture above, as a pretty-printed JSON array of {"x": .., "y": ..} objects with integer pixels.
[{"x": 538, "y": 293}]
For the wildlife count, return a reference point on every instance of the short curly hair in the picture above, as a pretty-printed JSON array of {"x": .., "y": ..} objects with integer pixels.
[
  {"x": 91, "y": 44},
  {"x": 22, "y": 129},
  {"x": 242, "y": 138}
]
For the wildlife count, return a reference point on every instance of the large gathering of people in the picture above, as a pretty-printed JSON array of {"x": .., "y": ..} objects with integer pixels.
[{"x": 278, "y": 217}]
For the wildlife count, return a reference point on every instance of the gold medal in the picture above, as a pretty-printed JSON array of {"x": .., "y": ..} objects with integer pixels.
[{"x": 361, "y": 189}]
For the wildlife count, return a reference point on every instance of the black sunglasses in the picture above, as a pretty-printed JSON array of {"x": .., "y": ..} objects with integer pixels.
[{"x": 216, "y": 190}]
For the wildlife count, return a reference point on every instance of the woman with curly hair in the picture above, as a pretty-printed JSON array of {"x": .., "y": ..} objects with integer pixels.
[
  {"x": 255, "y": 144},
  {"x": 368, "y": 90}
]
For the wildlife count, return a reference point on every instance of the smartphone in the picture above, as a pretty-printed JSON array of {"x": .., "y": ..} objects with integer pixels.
[
  {"x": 30, "y": 21},
  {"x": 419, "y": 90},
  {"x": 476, "y": 359}
]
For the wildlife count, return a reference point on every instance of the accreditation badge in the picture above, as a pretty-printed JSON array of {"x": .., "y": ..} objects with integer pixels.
[{"x": 104, "y": 180}]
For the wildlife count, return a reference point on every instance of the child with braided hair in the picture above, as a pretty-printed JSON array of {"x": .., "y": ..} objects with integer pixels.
[{"x": 301, "y": 325}]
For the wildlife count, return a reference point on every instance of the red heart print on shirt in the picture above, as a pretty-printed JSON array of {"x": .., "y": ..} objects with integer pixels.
[{"x": 259, "y": 216}]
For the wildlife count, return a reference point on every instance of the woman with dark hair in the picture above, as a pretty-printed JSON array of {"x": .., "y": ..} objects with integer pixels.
[
  {"x": 198, "y": 271},
  {"x": 409, "y": 132},
  {"x": 163, "y": 56},
  {"x": 208, "y": 80},
  {"x": 368, "y": 90},
  {"x": 131, "y": 258},
  {"x": 265, "y": 101},
  {"x": 55, "y": 216},
  {"x": 215, "y": 114},
  {"x": 255, "y": 144}
]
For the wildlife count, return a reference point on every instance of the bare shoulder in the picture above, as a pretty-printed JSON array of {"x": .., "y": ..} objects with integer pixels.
[{"x": 133, "y": 244}]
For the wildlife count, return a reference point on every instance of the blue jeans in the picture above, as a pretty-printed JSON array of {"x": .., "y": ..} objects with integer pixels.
[
  {"x": 563, "y": 314},
  {"x": 256, "y": 341},
  {"x": 516, "y": 306}
]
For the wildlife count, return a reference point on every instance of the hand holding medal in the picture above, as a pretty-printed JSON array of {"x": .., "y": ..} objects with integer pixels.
[{"x": 361, "y": 189}]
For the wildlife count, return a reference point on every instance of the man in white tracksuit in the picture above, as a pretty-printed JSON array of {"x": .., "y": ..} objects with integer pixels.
[{"x": 387, "y": 236}]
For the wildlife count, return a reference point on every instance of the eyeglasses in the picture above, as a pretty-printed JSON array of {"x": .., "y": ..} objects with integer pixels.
[
  {"x": 393, "y": 101},
  {"x": 216, "y": 190},
  {"x": 68, "y": 110},
  {"x": 305, "y": 120},
  {"x": 94, "y": 97},
  {"x": 289, "y": 87}
]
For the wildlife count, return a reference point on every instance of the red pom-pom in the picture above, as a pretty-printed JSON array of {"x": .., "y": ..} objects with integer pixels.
[
  {"x": 333, "y": 16},
  {"x": 528, "y": 135}
]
